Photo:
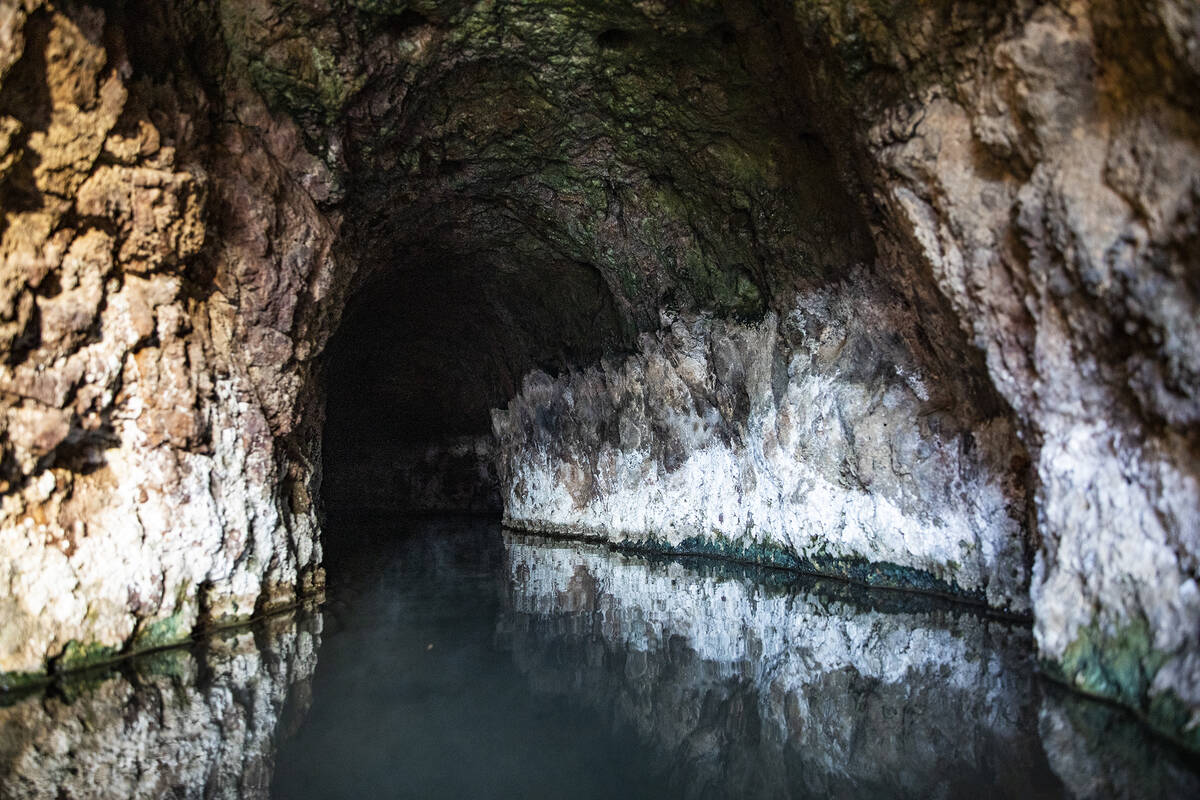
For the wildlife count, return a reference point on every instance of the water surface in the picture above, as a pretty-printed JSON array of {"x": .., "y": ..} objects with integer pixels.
[{"x": 453, "y": 659}]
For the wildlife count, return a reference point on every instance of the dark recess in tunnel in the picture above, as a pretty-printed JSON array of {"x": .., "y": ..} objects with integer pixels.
[
  {"x": 541, "y": 203},
  {"x": 426, "y": 349},
  {"x": 538, "y": 205}
]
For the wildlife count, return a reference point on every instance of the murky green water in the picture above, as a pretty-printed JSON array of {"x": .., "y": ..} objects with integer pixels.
[{"x": 455, "y": 660}]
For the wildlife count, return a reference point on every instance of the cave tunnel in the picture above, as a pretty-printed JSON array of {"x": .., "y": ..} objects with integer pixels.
[
  {"x": 584, "y": 398},
  {"x": 423, "y": 356},
  {"x": 509, "y": 221}
]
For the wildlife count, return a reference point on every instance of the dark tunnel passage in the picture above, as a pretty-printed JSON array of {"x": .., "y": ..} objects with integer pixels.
[
  {"x": 538, "y": 202},
  {"x": 624, "y": 275},
  {"x": 423, "y": 355}
]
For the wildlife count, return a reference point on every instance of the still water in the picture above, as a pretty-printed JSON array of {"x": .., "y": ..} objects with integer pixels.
[{"x": 454, "y": 659}]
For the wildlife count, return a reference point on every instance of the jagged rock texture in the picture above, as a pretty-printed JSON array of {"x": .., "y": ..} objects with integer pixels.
[
  {"x": 191, "y": 192},
  {"x": 1038, "y": 165},
  {"x": 1049, "y": 173},
  {"x": 149, "y": 381},
  {"x": 816, "y": 440}
]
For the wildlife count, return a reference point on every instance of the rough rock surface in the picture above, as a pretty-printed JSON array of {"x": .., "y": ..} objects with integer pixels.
[
  {"x": 1038, "y": 164},
  {"x": 1046, "y": 159},
  {"x": 815, "y": 440},
  {"x": 191, "y": 191},
  {"x": 149, "y": 378}
]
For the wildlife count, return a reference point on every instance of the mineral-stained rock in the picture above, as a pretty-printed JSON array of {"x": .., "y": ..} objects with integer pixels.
[
  {"x": 1049, "y": 173},
  {"x": 815, "y": 441},
  {"x": 1038, "y": 164},
  {"x": 943, "y": 254},
  {"x": 138, "y": 459}
]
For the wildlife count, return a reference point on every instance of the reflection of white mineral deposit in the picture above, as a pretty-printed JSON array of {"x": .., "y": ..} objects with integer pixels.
[
  {"x": 174, "y": 724},
  {"x": 743, "y": 684},
  {"x": 814, "y": 689}
]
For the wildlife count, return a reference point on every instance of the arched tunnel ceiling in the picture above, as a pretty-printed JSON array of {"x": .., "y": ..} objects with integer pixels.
[{"x": 528, "y": 185}]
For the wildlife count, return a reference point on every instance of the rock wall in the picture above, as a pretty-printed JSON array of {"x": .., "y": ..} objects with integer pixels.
[
  {"x": 1046, "y": 160},
  {"x": 191, "y": 190},
  {"x": 815, "y": 440},
  {"x": 153, "y": 368},
  {"x": 1038, "y": 165}
]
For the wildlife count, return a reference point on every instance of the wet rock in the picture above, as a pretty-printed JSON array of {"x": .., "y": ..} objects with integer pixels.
[
  {"x": 1020, "y": 160},
  {"x": 137, "y": 461},
  {"x": 1003, "y": 197}
]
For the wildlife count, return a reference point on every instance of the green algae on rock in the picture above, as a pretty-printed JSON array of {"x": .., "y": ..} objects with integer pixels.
[{"x": 1122, "y": 665}]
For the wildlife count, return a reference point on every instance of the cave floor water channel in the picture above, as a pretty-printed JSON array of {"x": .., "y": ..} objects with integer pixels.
[{"x": 453, "y": 658}]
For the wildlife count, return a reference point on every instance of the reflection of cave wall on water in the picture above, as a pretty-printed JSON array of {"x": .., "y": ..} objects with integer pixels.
[
  {"x": 177, "y": 723},
  {"x": 743, "y": 684},
  {"x": 1100, "y": 750},
  {"x": 810, "y": 689}
]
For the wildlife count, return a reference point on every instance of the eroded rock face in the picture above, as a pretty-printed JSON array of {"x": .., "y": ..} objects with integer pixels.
[
  {"x": 182, "y": 232},
  {"x": 1049, "y": 173},
  {"x": 992, "y": 208},
  {"x": 816, "y": 440},
  {"x": 149, "y": 379},
  {"x": 1038, "y": 165}
]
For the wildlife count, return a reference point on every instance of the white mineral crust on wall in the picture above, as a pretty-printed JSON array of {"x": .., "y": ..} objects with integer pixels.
[
  {"x": 1073, "y": 268},
  {"x": 179, "y": 522},
  {"x": 145, "y": 482},
  {"x": 803, "y": 434}
]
